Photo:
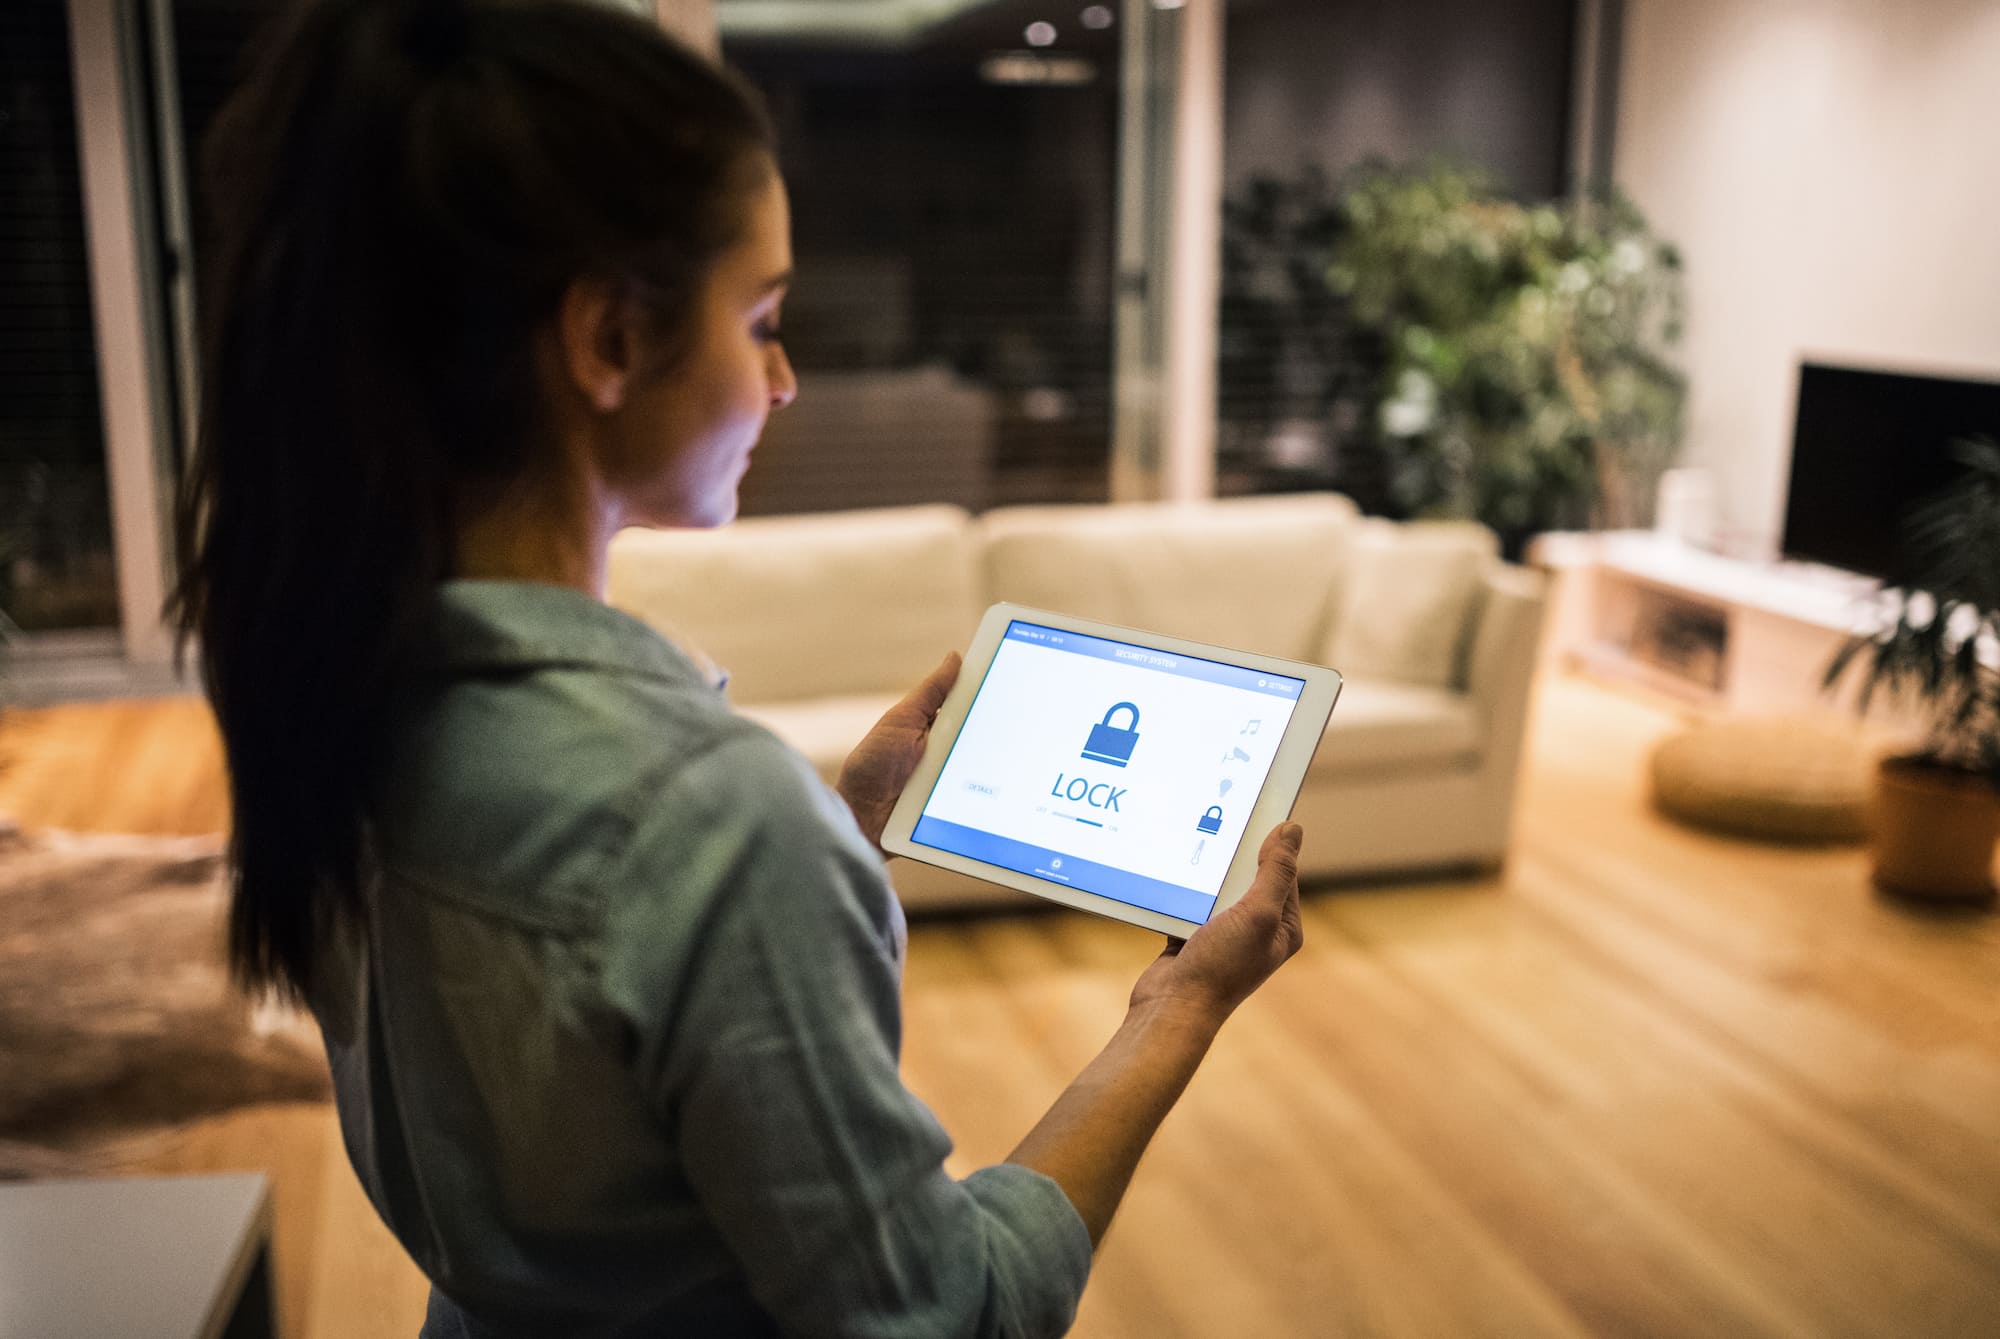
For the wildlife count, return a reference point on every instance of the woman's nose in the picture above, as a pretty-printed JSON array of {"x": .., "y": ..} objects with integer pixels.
[{"x": 784, "y": 384}]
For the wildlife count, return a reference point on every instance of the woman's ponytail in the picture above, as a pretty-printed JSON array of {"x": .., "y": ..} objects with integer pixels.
[{"x": 403, "y": 189}]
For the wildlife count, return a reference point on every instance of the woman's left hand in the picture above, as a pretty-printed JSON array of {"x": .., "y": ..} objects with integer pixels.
[{"x": 873, "y": 777}]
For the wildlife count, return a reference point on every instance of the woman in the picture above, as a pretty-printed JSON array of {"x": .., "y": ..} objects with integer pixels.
[{"x": 607, "y": 978}]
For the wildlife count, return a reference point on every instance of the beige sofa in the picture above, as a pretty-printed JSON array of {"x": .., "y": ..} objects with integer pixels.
[{"x": 824, "y": 620}]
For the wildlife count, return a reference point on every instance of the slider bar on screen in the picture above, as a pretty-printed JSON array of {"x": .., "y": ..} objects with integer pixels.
[{"x": 1088, "y": 822}]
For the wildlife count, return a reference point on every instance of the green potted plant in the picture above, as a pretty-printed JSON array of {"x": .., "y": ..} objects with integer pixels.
[
  {"x": 1937, "y": 812},
  {"x": 1527, "y": 381}
]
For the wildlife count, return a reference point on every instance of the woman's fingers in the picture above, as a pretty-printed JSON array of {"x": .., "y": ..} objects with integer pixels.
[
  {"x": 928, "y": 696},
  {"x": 1278, "y": 861}
]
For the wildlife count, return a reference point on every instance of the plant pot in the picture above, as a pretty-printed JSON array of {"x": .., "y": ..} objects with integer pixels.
[{"x": 1935, "y": 829}]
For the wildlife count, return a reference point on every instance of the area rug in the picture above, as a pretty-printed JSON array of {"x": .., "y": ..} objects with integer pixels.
[{"x": 116, "y": 1014}]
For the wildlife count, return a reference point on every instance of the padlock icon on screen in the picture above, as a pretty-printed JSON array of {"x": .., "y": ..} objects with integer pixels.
[
  {"x": 1211, "y": 821},
  {"x": 1110, "y": 744}
]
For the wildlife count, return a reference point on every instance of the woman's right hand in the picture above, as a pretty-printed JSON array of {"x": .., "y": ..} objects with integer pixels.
[{"x": 1218, "y": 967}]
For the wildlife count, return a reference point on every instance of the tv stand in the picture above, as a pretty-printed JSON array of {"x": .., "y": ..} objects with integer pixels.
[{"x": 1710, "y": 631}]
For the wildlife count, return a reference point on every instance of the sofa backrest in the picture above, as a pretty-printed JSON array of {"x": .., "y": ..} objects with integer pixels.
[
  {"x": 805, "y": 606},
  {"x": 1253, "y": 573}
]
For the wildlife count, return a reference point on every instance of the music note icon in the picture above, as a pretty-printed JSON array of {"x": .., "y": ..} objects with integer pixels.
[{"x": 1251, "y": 728}]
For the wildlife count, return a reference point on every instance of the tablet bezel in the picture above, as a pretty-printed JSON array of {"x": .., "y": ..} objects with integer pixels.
[{"x": 1274, "y": 802}]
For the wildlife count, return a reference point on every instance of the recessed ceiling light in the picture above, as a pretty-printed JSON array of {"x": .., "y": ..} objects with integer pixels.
[
  {"x": 1041, "y": 34},
  {"x": 1032, "y": 67},
  {"x": 1098, "y": 17}
]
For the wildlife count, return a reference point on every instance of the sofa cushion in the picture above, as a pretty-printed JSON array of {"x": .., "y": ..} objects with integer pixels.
[
  {"x": 825, "y": 729},
  {"x": 1255, "y": 573},
  {"x": 1381, "y": 727},
  {"x": 806, "y": 606},
  {"x": 1407, "y": 599}
]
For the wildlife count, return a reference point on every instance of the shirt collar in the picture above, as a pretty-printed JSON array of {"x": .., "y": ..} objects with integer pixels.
[{"x": 484, "y": 625}]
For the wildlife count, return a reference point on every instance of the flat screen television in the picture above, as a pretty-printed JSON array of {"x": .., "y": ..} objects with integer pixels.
[{"x": 1866, "y": 448}]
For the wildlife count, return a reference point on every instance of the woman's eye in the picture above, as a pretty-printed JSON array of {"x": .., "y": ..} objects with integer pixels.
[{"x": 766, "y": 332}]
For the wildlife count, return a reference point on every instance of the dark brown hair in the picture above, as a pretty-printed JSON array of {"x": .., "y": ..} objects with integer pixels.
[{"x": 403, "y": 190}]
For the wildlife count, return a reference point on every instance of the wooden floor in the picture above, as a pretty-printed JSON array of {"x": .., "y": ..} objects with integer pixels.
[{"x": 1646, "y": 1082}]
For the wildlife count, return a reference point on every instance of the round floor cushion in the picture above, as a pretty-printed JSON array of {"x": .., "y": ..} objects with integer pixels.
[{"x": 1782, "y": 778}]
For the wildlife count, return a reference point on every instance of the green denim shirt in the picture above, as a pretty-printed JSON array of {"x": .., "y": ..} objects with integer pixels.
[{"x": 617, "y": 1051}]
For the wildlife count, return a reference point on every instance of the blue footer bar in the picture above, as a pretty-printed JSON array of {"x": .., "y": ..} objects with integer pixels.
[{"x": 1136, "y": 890}]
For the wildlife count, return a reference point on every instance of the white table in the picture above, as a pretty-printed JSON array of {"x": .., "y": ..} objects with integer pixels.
[
  {"x": 178, "y": 1257},
  {"x": 1775, "y": 626}
]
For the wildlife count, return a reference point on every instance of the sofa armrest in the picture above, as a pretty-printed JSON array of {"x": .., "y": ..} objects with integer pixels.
[
  {"x": 1506, "y": 646},
  {"x": 1506, "y": 630}
]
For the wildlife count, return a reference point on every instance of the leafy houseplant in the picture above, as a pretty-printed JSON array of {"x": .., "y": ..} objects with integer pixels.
[
  {"x": 1938, "y": 808},
  {"x": 1526, "y": 380}
]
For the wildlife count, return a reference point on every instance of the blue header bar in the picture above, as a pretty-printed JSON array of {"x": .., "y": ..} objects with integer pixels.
[{"x": 1166, "y": 662}]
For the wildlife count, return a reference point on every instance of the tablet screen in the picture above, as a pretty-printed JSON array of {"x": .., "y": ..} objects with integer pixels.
[{"x": 1121, "y": 770}]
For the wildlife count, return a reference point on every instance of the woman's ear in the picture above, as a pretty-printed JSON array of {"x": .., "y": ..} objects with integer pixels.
[{"x": 598, "y": 342}]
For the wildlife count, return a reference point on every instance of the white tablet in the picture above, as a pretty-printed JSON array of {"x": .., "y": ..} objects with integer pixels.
[{"x": 1116, "y": 771}]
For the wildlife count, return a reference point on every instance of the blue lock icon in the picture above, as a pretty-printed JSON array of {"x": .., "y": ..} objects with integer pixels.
[
  {"x": 1211, "y": 821},
  {"x": 1110, "y": 744}
]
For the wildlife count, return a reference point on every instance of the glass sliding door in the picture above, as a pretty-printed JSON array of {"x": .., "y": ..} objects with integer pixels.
[
  {"x": 953, "y": 167},
  {"x": 58, "y": 574}
]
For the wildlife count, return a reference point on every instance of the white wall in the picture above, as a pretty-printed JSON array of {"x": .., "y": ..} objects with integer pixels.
[
  {"x": 693, "y": 21},
  {"x": 1831, "y": 170}
]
